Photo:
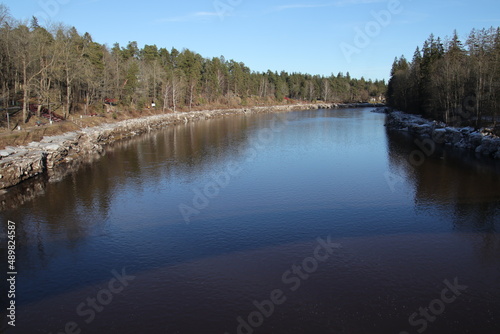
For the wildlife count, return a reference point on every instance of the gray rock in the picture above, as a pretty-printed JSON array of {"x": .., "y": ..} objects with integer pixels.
[
  {"x": 52, "y": 147},
  {"x": 453, "y": 135},
  {"x": 439, "y": 135},
  {"x": 5, "y": 153},
  {"x": 475, "y": 139},
  {"x": 421, "y": 129},
  {"x": 483, "y": 141}
]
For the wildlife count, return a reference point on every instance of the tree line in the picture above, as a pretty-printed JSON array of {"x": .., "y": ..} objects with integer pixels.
[
  {"x": 450, "y": 80},
  {"x": 58, "y": 66}
]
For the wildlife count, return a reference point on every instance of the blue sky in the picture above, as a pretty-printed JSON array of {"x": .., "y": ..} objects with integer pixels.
[{"x": 316, "y": 37}]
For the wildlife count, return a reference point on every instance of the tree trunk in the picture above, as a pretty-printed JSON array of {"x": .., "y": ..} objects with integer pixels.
[
  {"x": 25, "y": 92},
  {"x": 191, "y": 96},
  {"x": 165, "y": 99},
  {"x": 68, "y": 95},
  {"x": 6, "y": 95},
  {"x": 87, "y": 102},
  {"x": 174, "y": 93}
]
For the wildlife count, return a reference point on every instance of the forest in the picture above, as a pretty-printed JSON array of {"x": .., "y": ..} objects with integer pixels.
[
  {"x": 59, "y": 68},
  {"x": 451, "y": 80}
]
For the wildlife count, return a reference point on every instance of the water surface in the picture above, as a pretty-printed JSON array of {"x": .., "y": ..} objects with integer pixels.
[{"x": 209, "y": 219}]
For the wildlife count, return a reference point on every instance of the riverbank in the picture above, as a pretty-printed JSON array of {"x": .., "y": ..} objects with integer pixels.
[
  {"x": 56, "y": 155},
  {"x": 482, "y": 141}
]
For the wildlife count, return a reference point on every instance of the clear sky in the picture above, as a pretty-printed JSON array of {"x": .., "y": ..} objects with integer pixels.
[{"x": 316, "y": 37}]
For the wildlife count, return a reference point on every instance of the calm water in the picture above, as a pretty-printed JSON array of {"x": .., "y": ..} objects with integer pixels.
[{"x": 305, "y": 222}]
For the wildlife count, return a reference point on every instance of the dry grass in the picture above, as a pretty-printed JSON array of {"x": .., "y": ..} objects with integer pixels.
[{"x": 31, "y": 132}]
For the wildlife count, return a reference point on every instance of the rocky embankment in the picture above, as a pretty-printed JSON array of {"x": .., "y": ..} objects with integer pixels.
[
  {"x": 482, "y": 141},
  {"x": 55, "y": 155}
]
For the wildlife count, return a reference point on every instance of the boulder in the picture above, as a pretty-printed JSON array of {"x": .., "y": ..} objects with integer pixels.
[
  {"x": 482, "y": 141},
  {"x": 489, "y": 146},
  {"x": 421, "y": 129},
  {"x": 475, "y": 139},
  {"x": 15, "y": 170},
  {"x": 497, "y": 155},
  {"x": 439, "y": 135},
  {"x": 453, "y": 136}
]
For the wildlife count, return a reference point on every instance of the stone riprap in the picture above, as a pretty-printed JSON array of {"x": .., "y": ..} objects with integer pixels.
[{"x": 482, "y": 141}]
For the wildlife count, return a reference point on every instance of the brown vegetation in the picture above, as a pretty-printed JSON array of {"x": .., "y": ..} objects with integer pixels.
[{"x": 57, "y": 69}]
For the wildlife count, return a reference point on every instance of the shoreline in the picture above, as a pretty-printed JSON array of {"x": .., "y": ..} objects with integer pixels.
[
  {"x": 55, "y": 156},
  {"x": 482, "y": 141}
]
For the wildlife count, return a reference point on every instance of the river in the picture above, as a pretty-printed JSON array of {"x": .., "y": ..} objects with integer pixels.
[{"x": 301, "y": 222}]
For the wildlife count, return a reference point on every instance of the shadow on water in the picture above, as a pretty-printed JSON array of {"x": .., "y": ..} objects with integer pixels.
[
  {"x": 72, "y": 207},
  {"x": 458, "y": 182},
  {"x": 76, "y": 213}
]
